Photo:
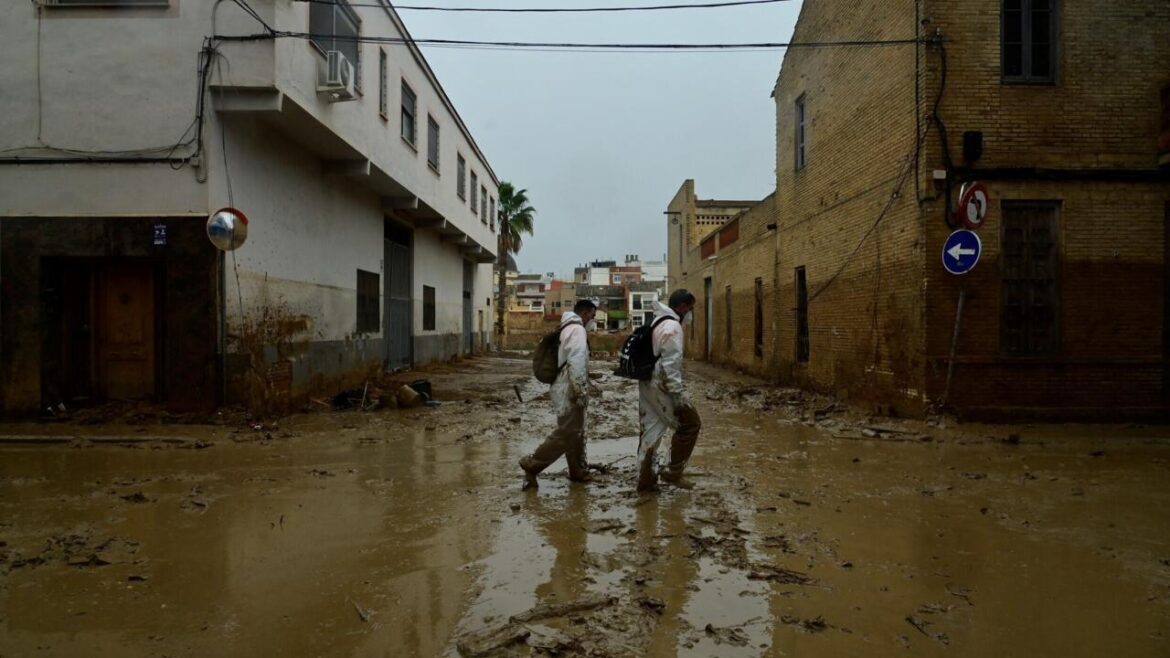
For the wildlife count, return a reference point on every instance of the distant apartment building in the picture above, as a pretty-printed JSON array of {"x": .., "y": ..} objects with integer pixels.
[
  {"x": 529, "y": 292},
  {"x": 559, "y": 297},
  {"x": 125, "y": 124},
  {"x": 836, "y": 281},
  {"x": 641, "y": 303},
  {"x": 595, "y": 273}
]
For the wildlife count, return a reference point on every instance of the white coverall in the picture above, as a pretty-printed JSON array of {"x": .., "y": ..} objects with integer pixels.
[
  {"x": 569, "y": 395},
  {"x": 661, "y": 398},
  {"x": 572, "y": 382}
]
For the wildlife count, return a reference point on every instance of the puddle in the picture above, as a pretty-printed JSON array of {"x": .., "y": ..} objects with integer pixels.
[{"x": 406, "y": 534}]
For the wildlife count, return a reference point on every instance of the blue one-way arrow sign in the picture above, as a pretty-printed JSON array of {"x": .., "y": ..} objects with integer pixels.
[{"x": 961, "y": 251}]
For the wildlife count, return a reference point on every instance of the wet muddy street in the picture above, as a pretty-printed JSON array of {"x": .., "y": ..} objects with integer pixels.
[{"x": 810, "y": 532}]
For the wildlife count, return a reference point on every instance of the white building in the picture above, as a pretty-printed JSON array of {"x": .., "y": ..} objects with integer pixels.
[
  {"x": 530, "y": 289},
  {"x": 641, "y": 304},
  {"x": 654, "y": 271},
  {"x": 595, "y": 273},
  {"x": 124, "y": 123}
]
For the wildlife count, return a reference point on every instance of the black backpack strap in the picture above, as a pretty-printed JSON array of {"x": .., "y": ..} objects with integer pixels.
[{"x": 660, "y": 320}]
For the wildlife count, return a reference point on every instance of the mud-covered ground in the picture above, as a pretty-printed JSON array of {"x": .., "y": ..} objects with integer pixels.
[{"x": 811, "y": 532}]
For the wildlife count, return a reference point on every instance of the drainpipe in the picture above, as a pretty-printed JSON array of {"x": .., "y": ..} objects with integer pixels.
[{"x": 221, "y": 282}]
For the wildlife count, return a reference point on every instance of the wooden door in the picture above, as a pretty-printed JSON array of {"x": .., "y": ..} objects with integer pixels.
[
  {"x": 125, "y": 332},
  {"x": 397, "y": 323}
]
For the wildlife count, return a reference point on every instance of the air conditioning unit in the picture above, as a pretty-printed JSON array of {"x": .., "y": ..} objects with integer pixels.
[{"x": 336, "y": 79}]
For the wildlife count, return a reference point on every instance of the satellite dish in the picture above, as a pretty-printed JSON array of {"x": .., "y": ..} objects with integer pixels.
[{"x": 227, "y": 229}]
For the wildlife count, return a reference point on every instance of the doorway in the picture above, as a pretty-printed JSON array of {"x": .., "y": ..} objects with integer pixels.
[
  {"x": 102, "y": 330},
  {"x": 468, "y": 310},
  {"x": 396, "y": 323},
  {"x": 709, "y": 319}
]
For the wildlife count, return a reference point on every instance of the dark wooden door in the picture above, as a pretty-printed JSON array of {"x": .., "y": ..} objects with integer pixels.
[
  {"x": 125, "y": 332},
  {"x": 397, "y": 323},
  {"x": 468, "y": 306}
]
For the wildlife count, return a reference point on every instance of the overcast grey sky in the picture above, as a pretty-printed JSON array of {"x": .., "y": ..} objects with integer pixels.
[{"x": 602, "y": 141}]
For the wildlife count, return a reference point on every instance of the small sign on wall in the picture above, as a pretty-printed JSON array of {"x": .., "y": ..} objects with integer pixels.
[{"x": 160, "y": 235}]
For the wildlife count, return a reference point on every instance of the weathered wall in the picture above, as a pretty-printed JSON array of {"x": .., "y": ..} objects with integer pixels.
[
  {"x": 295, "y": 330},
  {"x": 677, "y": 246},
  {"x": 868, "y": 225},
  {"x": 1110, "y": 233},
  {"x": 292, "y": 321},
  {"x": 737, "y": 266},
  {"x": 187, "y": 304},
  {"x": 863, "y": 253}
]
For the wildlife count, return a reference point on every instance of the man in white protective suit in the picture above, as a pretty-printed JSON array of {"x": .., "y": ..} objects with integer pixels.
[
  {"x": 663, "y": 403},
  {"x": 570, "y": 397}
]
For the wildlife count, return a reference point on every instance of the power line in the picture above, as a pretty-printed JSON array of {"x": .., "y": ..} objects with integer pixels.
[
  {"x": 525, "y": 45},
  {"x": 552, "y": 10}
]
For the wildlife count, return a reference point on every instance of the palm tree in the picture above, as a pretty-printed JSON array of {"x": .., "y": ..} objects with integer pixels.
[{"x": 515, "y": 215}]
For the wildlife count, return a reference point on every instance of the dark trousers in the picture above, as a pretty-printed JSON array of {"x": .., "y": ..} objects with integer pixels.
[{"x": 567, "y": 439}]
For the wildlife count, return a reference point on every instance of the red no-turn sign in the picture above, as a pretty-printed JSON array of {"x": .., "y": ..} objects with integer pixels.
[{"x": 973, "y": 204}]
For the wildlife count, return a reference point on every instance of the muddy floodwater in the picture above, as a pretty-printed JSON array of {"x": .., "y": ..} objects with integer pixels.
[{"x": 811, "y": 531}]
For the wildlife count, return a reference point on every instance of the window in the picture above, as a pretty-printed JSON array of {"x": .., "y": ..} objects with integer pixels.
[
  {"x": 617, "y": 278},
  {"x": 727, "y": 305},
  {"x": 474, "y": 199},
  {"x": 409, "y": 112},
  {"x": 428, "y": 308},
  {"x": 802, "y": 343},
  {"x": 369, "y": 321},
  {"x": 1028, "y": 41},
  {"x": 461, "y": 177},
  {"x": 483, "y": 204},
  {"x": 800, "y": 133},
  {"x": 637, "y": 303},
  {"x": 383, "y": 107},
  {"x": 335, "y": 26},
  {"x": 492, "y": 215},
  {"x": 433, "y": 143},
  {"x": 1030, "y": 292},
  {"x": 759, "y": 341}
]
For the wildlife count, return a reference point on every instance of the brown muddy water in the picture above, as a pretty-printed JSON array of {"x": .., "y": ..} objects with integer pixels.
[{"x": 405, "y": 533}]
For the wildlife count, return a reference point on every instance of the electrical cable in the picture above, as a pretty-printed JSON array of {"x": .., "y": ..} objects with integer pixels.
[
  {"x": 552, "y": 10},
  {"x": 166, "y": 151},
  {"x": 912, "y": 160},
  {"x": 942, "y": 127},
  {"x": 40, "y": 96},
  {"x": 524, "y": 45}
]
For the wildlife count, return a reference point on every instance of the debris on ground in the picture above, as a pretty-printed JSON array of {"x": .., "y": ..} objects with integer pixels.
[
  {"x": 363, "y": 614},
  {"x": 922, "y": 627},
  {"x": 814, "y": 625},
  {"x": 485, "y": 643},
  {"x": 549, "y": 610},
  {"x": 733, "y": 636},
  {"x": 779, "y": 575}
]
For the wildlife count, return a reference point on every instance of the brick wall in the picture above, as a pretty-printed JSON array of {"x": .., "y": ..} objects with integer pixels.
[
  {"x": 1102, "y": 113},
  {"x": 849, "y": 215},
  {"x": 865, "y": 219}
]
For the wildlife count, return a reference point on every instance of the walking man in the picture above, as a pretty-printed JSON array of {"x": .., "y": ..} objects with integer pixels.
[
  {"x": 570, "y": 397},
  {"x": 663, "y": 403}
]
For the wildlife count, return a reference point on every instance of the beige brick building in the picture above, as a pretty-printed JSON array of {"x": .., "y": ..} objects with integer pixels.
[{"x": 836, "y": 281}]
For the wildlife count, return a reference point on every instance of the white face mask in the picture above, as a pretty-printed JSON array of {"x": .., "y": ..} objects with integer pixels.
[{"x": 591, "y": 326}]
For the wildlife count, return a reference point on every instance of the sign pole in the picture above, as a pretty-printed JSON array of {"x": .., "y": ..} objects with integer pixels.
[{"x": 954, "y": 344}]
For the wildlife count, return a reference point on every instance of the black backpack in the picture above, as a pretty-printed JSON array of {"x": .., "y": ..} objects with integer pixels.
[
  {"x": 637, "y": 359},
  {"x": 545, "y": 356}
]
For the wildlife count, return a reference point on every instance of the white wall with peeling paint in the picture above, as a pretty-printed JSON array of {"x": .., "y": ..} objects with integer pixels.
[{"x": 83, "y": 82}]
